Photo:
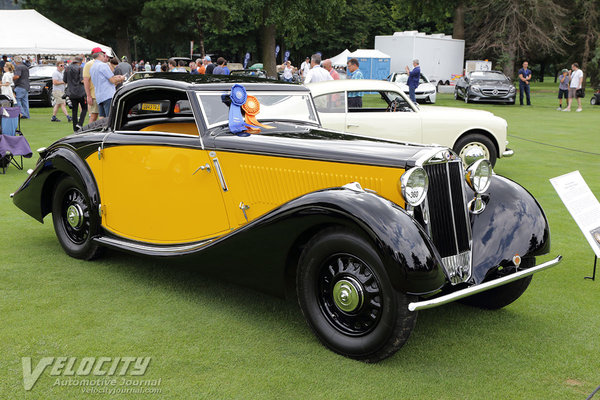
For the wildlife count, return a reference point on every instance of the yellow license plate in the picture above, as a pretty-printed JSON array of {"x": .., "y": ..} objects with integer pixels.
[{"x": 151, "y": 107}]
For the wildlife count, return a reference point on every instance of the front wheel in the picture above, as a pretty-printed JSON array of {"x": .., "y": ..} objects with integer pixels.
[
  {"x": 593, "y": 100},
  {"x": 348, "y": 300},
  {"x": 474, "y": 146},
  {"x": 75, "y": 222},
  {"x": 502, "y": 296}
]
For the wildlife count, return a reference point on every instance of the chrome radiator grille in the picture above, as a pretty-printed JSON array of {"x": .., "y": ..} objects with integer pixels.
[{"x": 448, "y": 224}]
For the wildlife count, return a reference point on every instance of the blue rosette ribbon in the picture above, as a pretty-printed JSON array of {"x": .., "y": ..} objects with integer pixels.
[{"x": 238, "y": 98}]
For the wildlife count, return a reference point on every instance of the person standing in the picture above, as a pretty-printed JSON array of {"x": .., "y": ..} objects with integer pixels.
[
  {"x": 123, "y": 68},
  {"x": 288, "y": 71},
  {"x": 21, "y": 79},
  {"x": 221, "y": 68},
  {"x": 90, "y": 90},
  {"x": 329, "y": 67},
  {"x": 563, "y": 87},
  {"x": 354, "y": 98},
  {"x": 414, "y": 77},
  {"x": 524, "y": 78},
  {"x": 305, "y": 68},
  {"x": 210, "y": 67},
  {"x": 76, "y": 92},
  {"x": 317, "y": 73},
  {"x": 574, "y": 85},
  {"x": 58, "y": 90},
  {"x": 193, "y": 68},
  {"x": 8, "y": 83},
  {"x": 157, "y": 67},
  {"x": 104, "y": 82}
]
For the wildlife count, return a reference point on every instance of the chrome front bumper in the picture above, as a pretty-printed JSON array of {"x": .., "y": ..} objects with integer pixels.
[{"x": 448, "y": 298}]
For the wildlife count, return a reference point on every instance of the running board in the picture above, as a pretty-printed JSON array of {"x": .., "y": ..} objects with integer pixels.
[
  {"x": 152, "y": 249},
  {"x": 448, "y": 298}
]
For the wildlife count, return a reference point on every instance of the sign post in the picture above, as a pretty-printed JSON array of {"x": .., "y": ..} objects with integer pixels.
[{"x": 583, "y": 207}]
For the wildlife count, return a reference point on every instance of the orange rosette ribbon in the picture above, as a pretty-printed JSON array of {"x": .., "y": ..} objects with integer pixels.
[{"x": 251, "y": 108}]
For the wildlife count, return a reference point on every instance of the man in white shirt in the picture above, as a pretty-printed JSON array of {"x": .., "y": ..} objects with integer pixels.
[
  {"x": 576, "y": 82},
  {"x": 305, "y": 67},
  {"x": 316, "y": 73}
]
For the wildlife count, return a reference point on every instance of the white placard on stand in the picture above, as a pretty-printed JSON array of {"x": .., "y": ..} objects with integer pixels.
[{"x": 581, "y": 204}]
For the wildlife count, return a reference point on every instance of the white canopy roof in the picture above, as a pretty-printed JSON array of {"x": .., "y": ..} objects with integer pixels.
[
  {"x": 341, "y": 59},
  {"x": 24, "y": 32},
  {"x": 368, "y": 53}
]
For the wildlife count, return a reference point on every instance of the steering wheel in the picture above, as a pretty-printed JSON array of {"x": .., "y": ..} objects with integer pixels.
[{"x": 394, "y": 105}]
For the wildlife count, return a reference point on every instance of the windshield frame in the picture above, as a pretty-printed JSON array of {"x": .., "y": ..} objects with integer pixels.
[{"x": 313, "y": 110}]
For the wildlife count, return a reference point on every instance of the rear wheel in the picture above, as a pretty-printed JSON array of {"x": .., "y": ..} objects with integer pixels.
[
  {"x": 75, "y": 222},
  {"x": 593, "y": 100},
  {"x": 502, "y": 296},
  {"x": 347, "y": 298},
  {"x": 474, "y": 146}
]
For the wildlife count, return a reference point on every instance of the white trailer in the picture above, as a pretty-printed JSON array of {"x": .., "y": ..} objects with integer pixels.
[{"x": 440, "y": 56}]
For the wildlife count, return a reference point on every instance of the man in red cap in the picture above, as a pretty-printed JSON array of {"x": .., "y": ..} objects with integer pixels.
[
  {"x": 90, "y": 91},
  {"x": 105, "y": 82}
]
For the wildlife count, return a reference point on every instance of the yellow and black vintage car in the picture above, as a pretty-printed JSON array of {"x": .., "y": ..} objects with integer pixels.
[{"x": 237, "y": 174}]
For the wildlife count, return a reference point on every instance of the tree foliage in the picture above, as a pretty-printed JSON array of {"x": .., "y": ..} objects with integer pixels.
[{"x": 504, "y": 31}]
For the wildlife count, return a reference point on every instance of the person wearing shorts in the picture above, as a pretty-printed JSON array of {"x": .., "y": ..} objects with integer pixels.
[
  {"x": 563, "y": 87},
  {"x": 574, "y": 84},
  {"x": 58, "y": 91}
]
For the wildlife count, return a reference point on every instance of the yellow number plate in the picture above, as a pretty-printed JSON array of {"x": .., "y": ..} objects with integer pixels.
[{"x": 151, "y": 107}]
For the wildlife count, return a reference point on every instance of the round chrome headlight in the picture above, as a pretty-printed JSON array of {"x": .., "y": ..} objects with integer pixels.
[
  {"x": 413, "y": 186},
  {"x": 479, "y": 175}
]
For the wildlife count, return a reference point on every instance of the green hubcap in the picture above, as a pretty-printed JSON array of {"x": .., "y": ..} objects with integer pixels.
[
  {"x": 347, "y": 295},
  {"x": 74, "y": 216}
]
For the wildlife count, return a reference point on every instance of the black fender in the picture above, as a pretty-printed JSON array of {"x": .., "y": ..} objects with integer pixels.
[
  {"x": 513, "y": 222},
  {"x": 262, "y": 253},
  {"x": 35, "y": 195}
]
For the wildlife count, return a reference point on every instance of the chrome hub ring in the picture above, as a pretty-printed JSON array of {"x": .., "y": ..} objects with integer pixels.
[
  {"x": 348, "y": 294},
  {"x": 75, "y": 216},
  {"x": 473, "y": 152}
]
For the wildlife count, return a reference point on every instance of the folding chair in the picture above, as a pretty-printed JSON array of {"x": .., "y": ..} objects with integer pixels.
[{"x": 12, "y": 142}]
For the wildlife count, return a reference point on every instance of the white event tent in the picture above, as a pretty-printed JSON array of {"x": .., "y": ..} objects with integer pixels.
[
  {"x": 27, "y": 32},
  {"x": 341, "y": 59}
]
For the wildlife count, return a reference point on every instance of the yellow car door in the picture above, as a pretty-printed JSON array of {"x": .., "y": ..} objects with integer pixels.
[{"x": 160, "y": 188}]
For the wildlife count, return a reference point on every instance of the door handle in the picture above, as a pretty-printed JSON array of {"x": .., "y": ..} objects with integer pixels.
[
  {"x": 202, "y": 167},
  {"x": 352, "y": 125}
]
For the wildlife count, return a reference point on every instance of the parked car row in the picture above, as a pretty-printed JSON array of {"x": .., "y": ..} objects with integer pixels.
[{"x": 237, "y": 176}]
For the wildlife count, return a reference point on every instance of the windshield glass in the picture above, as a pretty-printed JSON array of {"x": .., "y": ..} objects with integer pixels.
[
  {"x": 403, "y": 78},
  {"x": 274, "y": 106},
  {"x": 488, "y": 76},
  {"x": 42, "y": 71}
]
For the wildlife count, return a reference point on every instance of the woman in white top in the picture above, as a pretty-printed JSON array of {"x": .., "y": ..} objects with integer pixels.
[
  {"x": 7, "y": 82},
  {"x": 288, "y": 71}
]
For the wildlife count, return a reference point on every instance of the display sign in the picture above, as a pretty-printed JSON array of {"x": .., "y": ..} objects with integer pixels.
[{"x": 581, "y": 204}]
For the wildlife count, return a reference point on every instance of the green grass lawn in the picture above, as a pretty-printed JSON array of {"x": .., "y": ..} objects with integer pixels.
[{"x": 214, "y": 340}]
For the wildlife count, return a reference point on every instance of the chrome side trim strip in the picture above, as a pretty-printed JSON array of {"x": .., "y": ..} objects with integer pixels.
[
  {"x": 165, "y": 250},
  {"x": 448, "y": 298}
]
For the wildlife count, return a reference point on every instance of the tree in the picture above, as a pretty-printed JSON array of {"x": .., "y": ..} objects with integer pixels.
[
  {"x": 291, "y": 20},
  {"x": 175, "y": 20},
  {"x": 590, "y": 35},
  {"x": 515, "y": 29},
  {"x": 98, "y": 20}
]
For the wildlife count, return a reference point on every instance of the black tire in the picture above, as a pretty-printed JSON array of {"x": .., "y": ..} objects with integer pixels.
[
  {"x": 465, "y": 143},
  {"x": 455, "y": 94},
  {"x": 75, "y": 222},
  {"x": 378, "y": 323},
  {"x": 466, "y": 97},
  {"x": 593, "y": 100},
  {"x": 502, "y": 296}
]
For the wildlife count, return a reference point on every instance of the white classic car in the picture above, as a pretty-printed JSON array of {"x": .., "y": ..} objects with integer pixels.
[
  {"x": 386, "y": 112},
  {"x": 425, "y": 92}
]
